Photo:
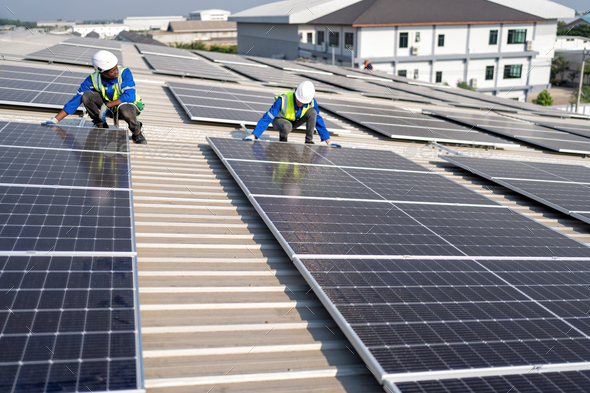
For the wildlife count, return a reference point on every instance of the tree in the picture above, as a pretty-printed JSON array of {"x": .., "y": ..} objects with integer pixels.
[
  {"x": 464, "y": 85},
  {"x": 584, "y": 99},
  {"x": 579, "y": 30},
  {"x": 558, "y": 65},
  {"x": 543, "y": 99}
]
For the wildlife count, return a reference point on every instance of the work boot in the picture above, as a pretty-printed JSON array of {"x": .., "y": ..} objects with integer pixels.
[
  {"x": 309, "y": 143},
  {"x": 139, "y": 139},
  {"x": 282, "y": 139},
  {"x": 101, "y": 125}
]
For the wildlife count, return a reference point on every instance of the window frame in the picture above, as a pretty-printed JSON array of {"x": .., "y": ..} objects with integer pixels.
[
  {"x": 512, "y": 70},
  {"x": 350, "y": 35},
  {"x": 309, "y": 37},
  {"x": 336, "y": 36},
  {"x": 439, "y": 76},
  {"x": 320, "y": 38},
  {"x": 441, "y": 40},
  {"x": 493, "y": 37},
  {"x": 404, "y": 38},
  {"x": 516, "y": 35},
  {"x": 402, "y": 73},
  {"x": 490, "y": 71}
]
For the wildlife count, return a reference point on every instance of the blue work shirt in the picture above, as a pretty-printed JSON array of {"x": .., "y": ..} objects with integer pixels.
[
  {"x": 275, "y": 109},
  {"x": 127, "y": 85}
]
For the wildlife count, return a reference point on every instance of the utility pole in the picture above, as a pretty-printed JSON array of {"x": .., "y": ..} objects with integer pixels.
[{"x": 581, "y": 80}]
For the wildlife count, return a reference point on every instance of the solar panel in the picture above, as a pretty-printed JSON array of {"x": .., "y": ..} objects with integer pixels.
[
  {"x": 226, "y": 58},
  {"x": 275, "y": 77},
  {"x": 194, "y": 68},
  {"x": 535, "y": 382},
  {"x": 286, "y": 65},
  {"x": 576, "y": 129},
  {"x": 424, "y": 284},
  {"x": 93, "y": 43},
  {"x": 227, "y": 105},
  {"x": 69, "y": 54},
  {"x": 38, "y": 87},
  {"x": 536, "y": 135},
  {"x": 165, "y": 51},
  {"x": 400, "y": 124},
  {"x": 68, "y": 274},
  {"x": 562, "y": 187},
  {"x": 138, "y": 38}
]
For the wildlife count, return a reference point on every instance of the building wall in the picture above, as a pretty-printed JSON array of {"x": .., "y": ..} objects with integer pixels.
[
  {"x": 151, "y": 23},
  {"x": 229, "y": 37},
  {"x": 268, "y": 40},
  {"x": 571, "y": 43},
  {"x": 209, "y": 15},
  {"x": 105, "y": 31}
]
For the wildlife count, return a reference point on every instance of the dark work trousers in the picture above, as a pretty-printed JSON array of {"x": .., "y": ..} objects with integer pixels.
[
  {"x": 285, "y": 126},
  {"x": 93, "y": 100}
]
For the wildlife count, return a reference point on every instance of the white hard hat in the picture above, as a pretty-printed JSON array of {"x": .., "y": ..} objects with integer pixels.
[
  {"x": 104, "y": 61},
  {"x": 305, "y": 92}
]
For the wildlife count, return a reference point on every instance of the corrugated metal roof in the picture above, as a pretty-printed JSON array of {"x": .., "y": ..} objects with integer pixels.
[
  {"x": 202, "y": 25},
  {"x": 223, "y": 308}
]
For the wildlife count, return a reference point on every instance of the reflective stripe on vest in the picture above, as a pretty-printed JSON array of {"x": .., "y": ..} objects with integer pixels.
[
  {"x": 117, "y": 91},
  {"x": 288, "y": 110}
]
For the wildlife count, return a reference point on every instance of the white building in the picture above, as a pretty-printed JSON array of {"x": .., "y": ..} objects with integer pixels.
[
  {"x": 565, "y": 43},
  {"x": 56, "y": 23},
  {"x": 495, "y": 48},
  {"x": 104, "y": 31},
  {"x": 209, "y": 15},
  {"x": 139, "y": 23}
]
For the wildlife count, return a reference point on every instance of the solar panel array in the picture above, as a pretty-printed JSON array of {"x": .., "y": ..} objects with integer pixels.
[
  {"x": 68, "y": 277},
  {"x": 400, "y": 123},
  {"x": 524, "y": 131},
  {"x": 193, "y": 67},
  {"x": 287, "y": 65},
  {"x": 576, "y": 129},
  {"x": 138, "y": 38},
  {"x": 69, "y": 54},
  {"x": 227, "y": 105},
  {"x": 93, "y": 43},
  {"x": 227, "y": 58},
  {"x": 165, "y": 51},
  {"x": 563, "y": 187},
  {"x": 428, "y": 279},
  {"x": 38, "y": 87}
]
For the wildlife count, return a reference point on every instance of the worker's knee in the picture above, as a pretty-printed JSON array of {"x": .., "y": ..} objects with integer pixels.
[
  {"x": 282, "y": 125},
  {"x": 127, "y": 111},
  {"x": 90, "y": 97},
  {"x": 311, "y": 113}
]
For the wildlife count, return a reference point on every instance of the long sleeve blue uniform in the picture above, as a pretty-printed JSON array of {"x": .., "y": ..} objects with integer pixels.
[
  {"x": 127, "y": 86},
  {"x": 275, "y": 109}
]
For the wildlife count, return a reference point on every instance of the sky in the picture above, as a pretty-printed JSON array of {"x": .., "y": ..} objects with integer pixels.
[{"x": 35, "y": 10}]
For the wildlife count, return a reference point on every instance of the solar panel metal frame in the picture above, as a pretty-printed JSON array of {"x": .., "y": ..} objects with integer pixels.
[
  {"x": 199, "y": 65},
  {"x": 139, "y": 368},
  {"x": 332, "y": 127},
  {"x": 227, "y": 58},
  {"x": 166, "y": 51},
  {"x": 514, "y": 136},
  {"x": 373, "y": 365},
  {"x": 57, "y": 58}
]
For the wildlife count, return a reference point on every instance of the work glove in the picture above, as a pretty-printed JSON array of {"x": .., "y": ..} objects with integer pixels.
[
  {"x": 51, "y": 122},
  {"x": 104, "y": 111},
  {"x": 335, "y": 145},
  {"x": 250, "y": 138}
]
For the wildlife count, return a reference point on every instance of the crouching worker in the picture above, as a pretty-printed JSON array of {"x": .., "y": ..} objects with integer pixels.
[
  {"x": 108, "y": 92},
  {"x": 291, "y": 110}
]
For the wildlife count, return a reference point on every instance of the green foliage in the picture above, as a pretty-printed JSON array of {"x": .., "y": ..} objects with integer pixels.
[
  {"x": 543, "y": 99},
  {"x": 584, "y": 99},
  {"x": 30, "y": 25},
  {"x": 558, "y": 65},
  {"x": 579, "y": 30},
  {"x": 464, "y": 85},
  {"x": 199, "y": 45},
  {"x": 560, "y": 24}
]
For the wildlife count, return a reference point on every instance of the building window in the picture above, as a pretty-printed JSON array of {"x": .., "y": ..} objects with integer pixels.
[
  {"x": 416, "y": 74},
  {"x": 513, "y": 71},
  {"x": 310, "y": 38},
  {"x": 349, "y": 40},
  {"x": 417, "y": 36},
  {"x": 438, "y": 76},
  {"x": 493, "y": 37},
  {"x": 403, "y": 73},
  {"x": 441, "y": 40},
  {"x": 334, "y": 39},
  {"x": 403, "y": 40},
  {"x": 489, "y": 73},
  {"x": 320, "y": 37},
  {"x": 517, "y": 36}
]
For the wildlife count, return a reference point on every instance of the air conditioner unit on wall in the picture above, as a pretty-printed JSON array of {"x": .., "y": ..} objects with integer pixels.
[
  {"x": 474, "y": 83},
  {"x": 414, "y": 50},
  {"x": 529, "y": 45}
]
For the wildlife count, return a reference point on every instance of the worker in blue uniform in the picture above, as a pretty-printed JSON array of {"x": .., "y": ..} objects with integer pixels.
[
  {"x": 107, "y": 92},
  {"x": 291, "y": 110}
]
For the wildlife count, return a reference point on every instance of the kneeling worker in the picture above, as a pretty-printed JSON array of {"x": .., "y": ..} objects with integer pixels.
[
  {"x": 291, "y": 110},
  {"x": 109, "y": 91}
]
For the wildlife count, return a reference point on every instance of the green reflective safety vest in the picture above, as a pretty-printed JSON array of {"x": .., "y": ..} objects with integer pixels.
[
  {"x": 288, "y": 109},
  {"x": 98, "y": 86}
]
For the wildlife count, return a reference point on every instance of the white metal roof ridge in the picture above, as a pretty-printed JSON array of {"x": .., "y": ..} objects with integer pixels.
[{"x": 290, "y": 11}]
